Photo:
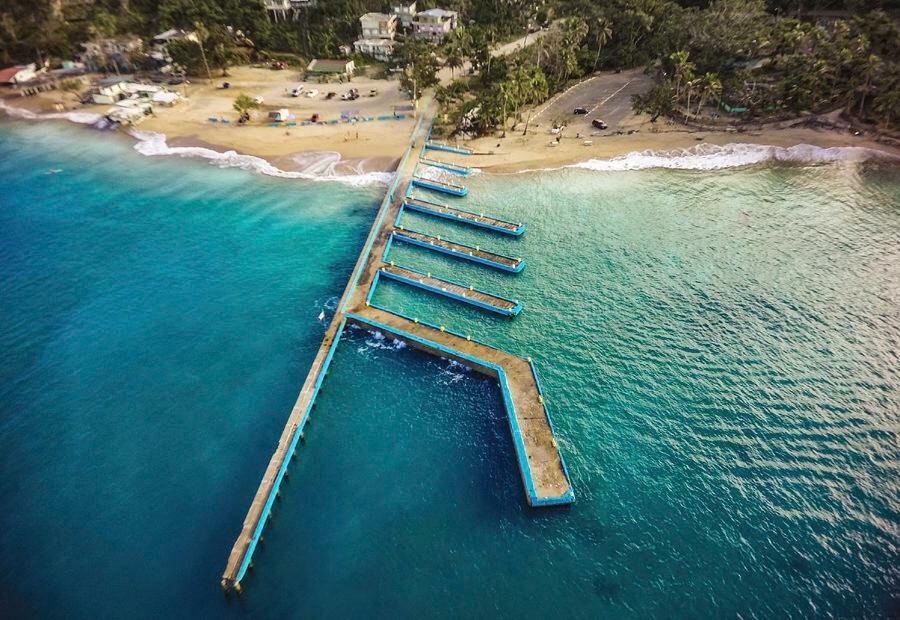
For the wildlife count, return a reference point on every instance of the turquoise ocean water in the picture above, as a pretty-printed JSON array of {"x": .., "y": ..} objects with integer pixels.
[{"x": 719, "y": 350}]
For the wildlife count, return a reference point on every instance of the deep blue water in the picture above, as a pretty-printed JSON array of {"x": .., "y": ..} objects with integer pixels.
[{"x": 720, "y": 353}]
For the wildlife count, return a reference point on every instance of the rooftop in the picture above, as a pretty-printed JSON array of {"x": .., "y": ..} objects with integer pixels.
[
  {"x": 378, "y": 16},
  {"x": 438, "y": 13},
  {"x": 9, "y": 72},
  {"x": 328, "y": 65}
]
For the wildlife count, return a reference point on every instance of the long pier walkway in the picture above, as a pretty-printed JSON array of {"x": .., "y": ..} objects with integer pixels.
[{"x": 544, "y": 475}]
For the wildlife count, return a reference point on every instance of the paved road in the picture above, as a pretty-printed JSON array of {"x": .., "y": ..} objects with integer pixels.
[
  {"x": 606, "y": 96},
  {"x": 502, "y": 50}
]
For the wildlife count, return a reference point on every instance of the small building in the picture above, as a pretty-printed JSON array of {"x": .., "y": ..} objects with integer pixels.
[
  {"x": 18, "y": 74},
  {"x": 129, "y": 114},
  {"x": 165, "y": 97},
  {"x": 378, "y": 25},
  {"x": 434, "y": 24},
  {"x": 328, "y": 67},
  {"x": 285, "y": 10},
  {"x": 112, "y": 53},
  {"x": 162, "y": 40},
  {"x": 109, "y": 93},
  {"x": 405, "y": 12},
  {"x": 380, "y": 49},
  {"x": 279, "y": 116}
]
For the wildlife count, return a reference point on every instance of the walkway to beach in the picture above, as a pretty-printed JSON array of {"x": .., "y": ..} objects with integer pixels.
[{"x": 541, "y": 467}]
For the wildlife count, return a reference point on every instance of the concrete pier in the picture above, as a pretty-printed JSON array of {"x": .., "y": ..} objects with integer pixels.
[
  {"x": 479, "y": 220},
  {"x": 543, "y": 472},
  {"x": 445, "y": 187},
  {"x": 460, "y": 250},
  {"x": 452, "y": 290},
  {"x": 446, "y": 165}
]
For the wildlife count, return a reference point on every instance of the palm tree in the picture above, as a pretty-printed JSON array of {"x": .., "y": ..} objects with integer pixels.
[
  {"x": 887, "y": 104},
  {"x": 683, "y": 68},
  {"x": 604, "y": 34},
  {"x": 710, "y": 86},
  {"x": 454, "y": 59},
  {"x": 538, "y": 90},
  {"x": 690, "y": 86},
  {"x": 871, "y": 66},
  {"x": 202, "y": 34}
]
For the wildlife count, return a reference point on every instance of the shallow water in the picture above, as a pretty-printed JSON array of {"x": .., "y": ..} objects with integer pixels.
[{"x": 719, "y": 352}]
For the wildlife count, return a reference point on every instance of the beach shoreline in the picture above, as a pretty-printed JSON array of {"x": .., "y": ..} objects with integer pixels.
[{"x": 369, "y": 153}]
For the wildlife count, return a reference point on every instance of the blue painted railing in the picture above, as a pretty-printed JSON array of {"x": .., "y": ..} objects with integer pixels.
[
  {"x": 445, "y": 165},
  {"x": 437, "y": 290},
  {"x": 295, "y": 438},
  {"x": 437, "y": 146},
  {"x": 469, "y": 256},
  {"x": 440, "y": 186},
  {"x": 515, "y": 431},
  {"x": 437, "y": 209}
]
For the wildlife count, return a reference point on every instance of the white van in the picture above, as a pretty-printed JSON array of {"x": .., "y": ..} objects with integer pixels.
[{"x": 295, "y": 92}]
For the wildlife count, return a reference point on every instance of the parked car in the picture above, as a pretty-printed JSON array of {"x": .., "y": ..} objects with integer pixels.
[
  {"x": 598, "y": 123},
  {"x": 312, "y": 92},
  {"x": 331, "y": 95},
  {"x": 175, "y": 80},
  {"x": 295, "y": 92},
  {"x": 258, "y": 99},
  {"x": 579, "y": 110},
  {"x": 373, "y": 92}
]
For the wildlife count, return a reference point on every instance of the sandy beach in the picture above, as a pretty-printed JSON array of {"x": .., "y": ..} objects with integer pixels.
[
  {"x": 376, "y": 146},
  {"x": 516, "y": 153}
]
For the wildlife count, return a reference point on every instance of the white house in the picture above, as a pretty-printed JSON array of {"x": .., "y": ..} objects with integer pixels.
[
  {"x": 405, "y": 12},
  {"x": 381, "y": 49},
  {"x": 18, "y": 74},
  {"x": 434, "y": 24},
  {"x": 378, "y": 26},
  {"x": 109, "y": 93}
]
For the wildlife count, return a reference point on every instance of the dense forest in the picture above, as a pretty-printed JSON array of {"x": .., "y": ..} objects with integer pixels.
[{"x": 764, "y": 57}]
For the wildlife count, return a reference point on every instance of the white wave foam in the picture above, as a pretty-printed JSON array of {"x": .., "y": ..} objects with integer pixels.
[
  {"x": 714, "y": 157},
  {"x": 380, "y": 342},
  {"x": 82, "y": 118},
  {"x": 318, "y": 166}
]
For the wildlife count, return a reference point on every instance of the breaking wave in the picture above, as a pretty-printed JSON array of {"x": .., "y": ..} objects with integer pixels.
[
  {"x": 323, "y": 166},
  {"x": 82, "y": 118},
  {"x": 315, "y": 166},
  {"x": 714, "y": 157}
]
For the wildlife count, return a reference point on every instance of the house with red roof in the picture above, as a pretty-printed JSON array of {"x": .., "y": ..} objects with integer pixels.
[{"x": 18, "y": 74}]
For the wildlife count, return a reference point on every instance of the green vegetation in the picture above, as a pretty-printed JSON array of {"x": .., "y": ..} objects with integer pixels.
[
  {"x": 736, "y": 53},
  {"x": 769, "y": 57},
  {"x": 244, "y": 103}
]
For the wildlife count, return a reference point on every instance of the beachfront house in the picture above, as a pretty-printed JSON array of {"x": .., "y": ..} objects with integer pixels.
[
  {"x": 18, "y": 74},
  {"x": 120, "y": 53},
  {"x": 109, "y": 91},
  {"x": 378, "y": 25},
  {"x": 405, "y": 12},
  {"x": 434, "y": 24},
  {"x": 327, "y": 68},
  {"x": 380, "y": 49}
]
